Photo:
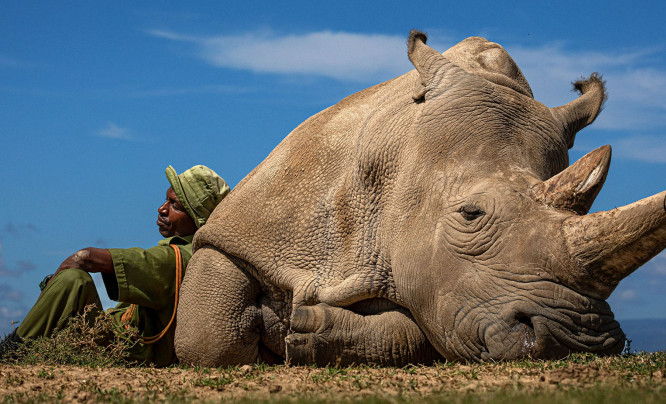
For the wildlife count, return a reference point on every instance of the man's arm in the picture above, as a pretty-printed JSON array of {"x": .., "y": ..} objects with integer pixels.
[{"x": 90, "y": 260}]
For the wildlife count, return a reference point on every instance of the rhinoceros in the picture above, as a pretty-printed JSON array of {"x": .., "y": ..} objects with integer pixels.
[{"x": 433, "y": 216}]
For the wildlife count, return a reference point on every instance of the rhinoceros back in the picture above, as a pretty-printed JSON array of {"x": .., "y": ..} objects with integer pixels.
[{"x": 298, "y": 210}]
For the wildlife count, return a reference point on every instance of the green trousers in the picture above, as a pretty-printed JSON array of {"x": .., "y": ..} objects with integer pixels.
[{"x": 66, "y": 296}]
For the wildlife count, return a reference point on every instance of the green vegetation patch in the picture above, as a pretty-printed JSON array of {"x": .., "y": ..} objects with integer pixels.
[{"x": 94, "y": 342}]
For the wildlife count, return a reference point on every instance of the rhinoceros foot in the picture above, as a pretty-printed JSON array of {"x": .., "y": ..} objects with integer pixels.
[{"x": 326, "y": 335}]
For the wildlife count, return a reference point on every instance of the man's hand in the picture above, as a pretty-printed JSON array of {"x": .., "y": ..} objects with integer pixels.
[{"x": 90, "y": 260}]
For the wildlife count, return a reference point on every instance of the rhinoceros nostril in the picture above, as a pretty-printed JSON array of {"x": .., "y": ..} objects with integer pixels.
[
  {"x": 521, "y": 321},
  {"x": 525, "y": 320},
  {"x": 527, "y": 337}
]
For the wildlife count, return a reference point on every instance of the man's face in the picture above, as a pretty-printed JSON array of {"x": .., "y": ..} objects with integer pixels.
[{"x": 173, "y": 219}]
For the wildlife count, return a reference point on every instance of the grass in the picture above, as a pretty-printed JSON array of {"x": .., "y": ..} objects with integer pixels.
[
  {"x": 77, "y": 363},
  {"x": 84, "y": 342},
  {"x": 637, "y": 378},
  {"x": 598, "y": 394}
]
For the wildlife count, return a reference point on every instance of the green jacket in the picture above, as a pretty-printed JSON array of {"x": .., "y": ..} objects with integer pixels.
[{"x": 147, "y": 278}]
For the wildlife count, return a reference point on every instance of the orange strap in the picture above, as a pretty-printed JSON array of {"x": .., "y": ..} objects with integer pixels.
[{"x": 127, "y": 315}]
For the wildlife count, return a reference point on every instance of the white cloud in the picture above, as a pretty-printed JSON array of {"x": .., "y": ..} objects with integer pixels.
[
  {"x": 113, "y": 131},
  {"x": 339, "y": 55},
  {"x": 8, "y": 293},
  {"x": 651, "y": 149},
  {"x": 641, "y": 294},
  {"x": 636, "y": 81},
  {"x": 658, "y": 264},
  {"x": 7, "y": 312},
  {"x": 12, "y": 62},
  {"x": 627, "y": 295},
  {"x": 637, "y": 93},
  {"x": 18, "y": 229},
  {"x": 173, "y": 91},
  {"x": 21, "y": 267},
  {"x": 11, "y": 315}
]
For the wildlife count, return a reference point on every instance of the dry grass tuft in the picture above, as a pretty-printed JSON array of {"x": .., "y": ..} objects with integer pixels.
[{"x": 86, "y": 341}]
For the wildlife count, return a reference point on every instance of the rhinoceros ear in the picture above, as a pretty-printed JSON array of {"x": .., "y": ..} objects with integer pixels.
[
  {"x": 576, "y": 187},
  {"x": 582, "y": 111},
  {"x": 433, "y": 68}
]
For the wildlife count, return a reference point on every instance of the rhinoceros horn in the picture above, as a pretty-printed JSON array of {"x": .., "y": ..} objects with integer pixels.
[
  {"x": 576, "y": 187},
  {"x": 433, "y": 68},
  {"x": 608, "y": 246},
  {"x": 605, "y": 246},
  {"x": 582, "y": 111}
]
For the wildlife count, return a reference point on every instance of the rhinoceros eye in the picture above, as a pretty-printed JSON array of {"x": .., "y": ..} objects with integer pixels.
[{"x": 471, "y": 212}]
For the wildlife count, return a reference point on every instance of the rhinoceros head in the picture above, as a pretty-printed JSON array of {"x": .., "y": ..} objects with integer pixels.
[{"x": 493, "y": 249}]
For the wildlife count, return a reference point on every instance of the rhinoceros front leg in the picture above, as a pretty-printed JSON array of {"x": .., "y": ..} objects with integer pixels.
[
  {"x": 219, "y": 319},
  {"x": 324, "y": 335}
]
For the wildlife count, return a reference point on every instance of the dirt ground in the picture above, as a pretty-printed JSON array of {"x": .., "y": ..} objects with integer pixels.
[{"x": 80, "y": 384}]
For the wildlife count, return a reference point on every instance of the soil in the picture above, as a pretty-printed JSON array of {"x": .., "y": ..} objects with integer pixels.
[{"x": 81, "y": 384}]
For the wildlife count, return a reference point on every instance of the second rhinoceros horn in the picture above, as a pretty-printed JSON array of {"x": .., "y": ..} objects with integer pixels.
[{"x": 576, "y": 187}]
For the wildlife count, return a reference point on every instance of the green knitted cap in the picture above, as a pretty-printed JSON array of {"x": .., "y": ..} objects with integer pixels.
[{"x": 199, "y": 190}]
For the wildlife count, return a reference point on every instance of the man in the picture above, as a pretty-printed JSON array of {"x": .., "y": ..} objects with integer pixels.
[{"x": 144, "y": 281}]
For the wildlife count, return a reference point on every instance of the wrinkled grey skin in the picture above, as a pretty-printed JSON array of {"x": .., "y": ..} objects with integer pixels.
[{"x": 430, "y": 216}]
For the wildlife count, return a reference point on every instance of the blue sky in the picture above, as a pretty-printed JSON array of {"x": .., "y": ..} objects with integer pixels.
[{"x": 97, "y": 98}]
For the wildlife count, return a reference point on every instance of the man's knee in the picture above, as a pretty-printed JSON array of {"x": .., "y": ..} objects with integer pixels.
[
  {"x": 72, "y": 278},
  {"x": 66, "y": 295}
]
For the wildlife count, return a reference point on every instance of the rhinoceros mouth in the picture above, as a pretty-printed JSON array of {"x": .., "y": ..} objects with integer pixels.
[
  {"x": 557, "y": 339},
  {"x": 549, "y": 322},
  {"x": 550, "y": 333},
  {"x": 519, "y": 342}
]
